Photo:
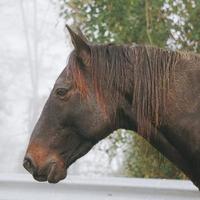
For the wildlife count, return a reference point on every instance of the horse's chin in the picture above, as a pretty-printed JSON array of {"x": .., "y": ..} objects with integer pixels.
[{"x": 56, "y": 174}]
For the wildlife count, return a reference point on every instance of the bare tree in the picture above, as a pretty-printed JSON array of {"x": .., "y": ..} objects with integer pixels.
[{"x": 32, "y": 55}]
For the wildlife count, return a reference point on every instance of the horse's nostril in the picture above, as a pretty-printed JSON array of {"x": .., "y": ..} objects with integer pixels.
[{"x": 28, "y": 164}]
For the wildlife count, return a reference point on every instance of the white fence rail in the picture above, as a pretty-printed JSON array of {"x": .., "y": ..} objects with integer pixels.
[{"x": 23, "y": 187}]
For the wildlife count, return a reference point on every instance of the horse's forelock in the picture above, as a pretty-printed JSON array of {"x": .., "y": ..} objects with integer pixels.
[{"x": 76, "y": 72}]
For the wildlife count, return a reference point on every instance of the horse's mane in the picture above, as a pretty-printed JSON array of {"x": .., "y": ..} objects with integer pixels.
[{"x": 145, "y": 72}]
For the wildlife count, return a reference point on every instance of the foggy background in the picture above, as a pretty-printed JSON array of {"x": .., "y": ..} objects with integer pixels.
[{"x": 34, "y": 48}]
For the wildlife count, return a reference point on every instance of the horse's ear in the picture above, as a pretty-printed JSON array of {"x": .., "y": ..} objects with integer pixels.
[
  {"x": 80, "y": 33},
  {"x": 81, "y": 46}
]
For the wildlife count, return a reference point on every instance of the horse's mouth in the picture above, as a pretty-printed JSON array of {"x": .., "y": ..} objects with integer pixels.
[
  {"x": 53, "y": 174},
  {"x": 40, "y": 178}
]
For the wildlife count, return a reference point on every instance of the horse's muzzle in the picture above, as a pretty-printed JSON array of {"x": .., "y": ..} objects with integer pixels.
[{"x": 51, "y": 168}]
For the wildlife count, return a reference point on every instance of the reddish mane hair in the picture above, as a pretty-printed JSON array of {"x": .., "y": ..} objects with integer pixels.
[{"x": 143, "y": 73}]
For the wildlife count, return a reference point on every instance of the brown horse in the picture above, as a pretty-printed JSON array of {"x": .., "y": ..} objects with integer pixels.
[{"x": 152, "y": 91}]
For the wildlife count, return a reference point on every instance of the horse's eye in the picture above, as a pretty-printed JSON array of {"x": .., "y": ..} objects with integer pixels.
[{"x": 61, "y": 92}]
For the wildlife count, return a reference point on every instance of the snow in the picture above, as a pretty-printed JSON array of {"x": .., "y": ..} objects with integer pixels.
[{"x": 17, "y": 186}]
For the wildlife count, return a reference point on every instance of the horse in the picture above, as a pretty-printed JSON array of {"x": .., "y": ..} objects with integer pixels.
[{"x": 152, "y": 91}]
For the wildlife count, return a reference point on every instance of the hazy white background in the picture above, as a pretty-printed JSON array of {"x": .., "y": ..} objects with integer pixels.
[{"x": 34, "y": 48}]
